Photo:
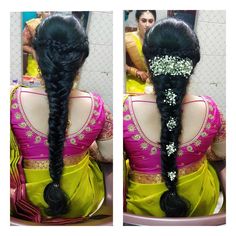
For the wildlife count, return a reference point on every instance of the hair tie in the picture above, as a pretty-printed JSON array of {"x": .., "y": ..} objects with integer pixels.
[{"x": 56, "y": 185}]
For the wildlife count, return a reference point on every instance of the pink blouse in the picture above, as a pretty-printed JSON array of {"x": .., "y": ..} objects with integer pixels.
[
  {"x": 144, "y": 155},
  {"x": 34, "y": 145}
]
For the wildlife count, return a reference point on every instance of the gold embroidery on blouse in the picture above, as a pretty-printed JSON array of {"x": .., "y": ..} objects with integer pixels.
[
  {"x": 190, "y": 148},
  {"x": 22, "y": 124},
  {"x": 92, "y": 121},
  {"x": 43, "y": 164},
  {"x": 46, "y": 143},
  {"x": 144, "y": 146},
  {"x": 131, "y": 128},
  {"x": 127, "y": 117},
  {"x": 221, "y": 136},
  {"x": 136, "y": 137},
  {"x": 73, "y": 141},
  {"x": 96, "y": 113},
  {"x": 14, "y": 106},
  {"x": 81, "y": 136},
  {"x": 37, "y": 139},
  {"x": 210, "y": 116},
  {"x": 18, "y": 116},
  {"x": 197, "y": 142},
  {"x": 88, "y": 129},
  {"x": 144, "y": 178},
  {"x": 180, "y": 153},
  {"x": 96, "y": 104},
  {"x": 203, "y": 134},
  {"x": 208, "y": 126},
  {"x": 109, "y": 116},
  {"x": 107, "y": 129},
  {"x": 153, "y": 151},
  {"x": 29, "y": 133}
]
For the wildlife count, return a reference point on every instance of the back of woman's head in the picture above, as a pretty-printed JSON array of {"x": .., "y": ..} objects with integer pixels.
[
  {"x": 61, "y": 44},
  {"x": 172, "y": 51},
  {"x": 61, "y": 47},
  {"x": 173, "y": 37}
]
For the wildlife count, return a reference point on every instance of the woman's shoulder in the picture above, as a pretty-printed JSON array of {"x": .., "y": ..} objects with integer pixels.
[
  {"x": 212, "y": 103},
  {"x": 142, "y": 97},
  {"x": 94, "y": 96},
  {"x": 129, "y": 37}
]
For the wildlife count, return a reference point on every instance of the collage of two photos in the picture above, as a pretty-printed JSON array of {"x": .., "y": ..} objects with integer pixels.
[{"x": 61, "y": 117}]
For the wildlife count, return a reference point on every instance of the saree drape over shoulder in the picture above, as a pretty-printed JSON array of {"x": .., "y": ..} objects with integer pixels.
[
  {"x": 197, "y": 181},
  {"x": 136, "y": 58},
  {"x": 82, "y": 179}
]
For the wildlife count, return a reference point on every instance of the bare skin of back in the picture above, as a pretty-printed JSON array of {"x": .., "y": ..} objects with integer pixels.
[{"x": 194, "y": 112}]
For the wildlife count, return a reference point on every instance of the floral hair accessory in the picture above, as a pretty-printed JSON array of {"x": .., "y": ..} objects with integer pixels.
[
  {"x": 172, "y": 65},
  {"x": 170, "y": 148},
  {"x": 171, "y": 124},
  {"x": 170, "y": 97},
  {"x": 172, "y": 175}
]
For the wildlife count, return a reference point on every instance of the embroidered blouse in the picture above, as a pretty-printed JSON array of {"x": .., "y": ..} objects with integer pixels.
[
  {"x": 144, "y": 155},
  {"x": 34, "y": 145}
]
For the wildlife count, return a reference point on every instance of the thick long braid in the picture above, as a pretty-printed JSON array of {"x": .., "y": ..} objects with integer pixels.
[
  {"x": 61, "y": 46},
  {"x": 170, "y": 202},
  {"x": 58, "y": 98},
  {"x": 172, "y": 51}
]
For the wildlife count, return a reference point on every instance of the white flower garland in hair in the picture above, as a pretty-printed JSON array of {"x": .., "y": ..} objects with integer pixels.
[
  {"x": 170, "y": 97},
  {"x": 172, "y": 175},
  {"x": 172, "y": 65},
  {"x": 170, "y": 148},
  {"x": 171, "y": 124}
]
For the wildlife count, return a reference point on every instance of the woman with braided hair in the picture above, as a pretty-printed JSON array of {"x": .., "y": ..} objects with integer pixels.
[
  {"x": 53, "y": 177},
  {"x": 167, "y": 134}
]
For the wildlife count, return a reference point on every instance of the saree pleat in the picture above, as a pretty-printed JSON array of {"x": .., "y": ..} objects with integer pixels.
[
  {"x": 85, "y": 189},
  {"x": 200, "y": 188}
]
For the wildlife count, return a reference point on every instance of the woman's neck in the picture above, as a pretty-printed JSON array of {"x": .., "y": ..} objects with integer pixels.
[{"x": 140, "y": 36}]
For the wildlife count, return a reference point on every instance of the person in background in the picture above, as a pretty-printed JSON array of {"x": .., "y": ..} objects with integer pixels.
[
  {"x": 137, "y": 76},
  {"x": 32, "y": 68}
]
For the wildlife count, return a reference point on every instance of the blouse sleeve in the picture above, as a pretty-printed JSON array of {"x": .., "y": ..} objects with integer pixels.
[
  {"x": 221, "y": 135},
  {"x": 107, "y": 130},
  {"x": 217, "y": 151}
]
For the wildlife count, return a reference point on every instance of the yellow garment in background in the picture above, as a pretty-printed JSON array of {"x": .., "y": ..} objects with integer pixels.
[
  {"x": 32, "y": 69},
  {"x": 83, "y": 183},
  {"x": 200, "y": 188},
  {"x": 134, "y": 50}
]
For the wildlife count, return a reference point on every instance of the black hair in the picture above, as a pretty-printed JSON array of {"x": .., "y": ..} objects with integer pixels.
[
  {"x": 171, "y": 37},
  {"x": 61, "y": 46},
  {"x": 138, "y": 13}
]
